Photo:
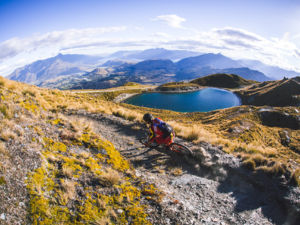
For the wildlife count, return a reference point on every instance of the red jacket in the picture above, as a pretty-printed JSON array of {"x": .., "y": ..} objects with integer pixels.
[{"x": 158, "y": 135}]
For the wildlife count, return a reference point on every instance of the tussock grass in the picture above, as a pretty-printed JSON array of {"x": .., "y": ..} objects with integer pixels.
[
  {"x": 275, "y": 169},
  {"x": 192, "y": 135},
  {"x": 195, "y": 133},
  {"x": 68, "y": 187},
  {"x": 3, "y": 150},
  {"x": 85, "y": 155},
  {"x": 7, "y": 134},
  {"x": 2, "y": 81},
  {"x": 176, "y": 171},
  {"x": 296, "y": 177},
  {"x": 67, "y": 171},
  {"x": 110, "y": 177},
  {"x": 31, "y": 92},
  {"x": 126, "y": 114}
]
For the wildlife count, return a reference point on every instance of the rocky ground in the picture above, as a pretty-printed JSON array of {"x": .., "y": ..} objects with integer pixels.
[{"x": 210, "y": 188}]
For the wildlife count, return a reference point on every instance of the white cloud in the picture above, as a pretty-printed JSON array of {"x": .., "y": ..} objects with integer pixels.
[
  {"x": 238, "y": 33},
  {"x": 233, "y": 42},
  {"x": 172, "y": 20},
  {"x": 55, "y": 39}
]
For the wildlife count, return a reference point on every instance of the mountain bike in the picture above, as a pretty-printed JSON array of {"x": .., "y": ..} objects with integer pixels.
[{"x": 174, "y": 147}]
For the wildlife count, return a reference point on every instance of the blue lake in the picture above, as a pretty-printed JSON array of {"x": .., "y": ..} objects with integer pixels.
[{"x": 204, "y": 100}]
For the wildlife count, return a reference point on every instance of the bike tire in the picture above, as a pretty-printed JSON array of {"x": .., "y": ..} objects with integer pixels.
[{"x": 181, "y": 149}]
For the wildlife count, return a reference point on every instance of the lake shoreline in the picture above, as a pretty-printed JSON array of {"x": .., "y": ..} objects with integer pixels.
[
  {"x": 122, "y": 97},
  {"x": 184, "y": 101},
  {"x": 178, "y": 90}
]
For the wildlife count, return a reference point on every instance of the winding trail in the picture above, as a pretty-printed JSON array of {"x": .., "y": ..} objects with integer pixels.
[{"x": 212, "y": 188}]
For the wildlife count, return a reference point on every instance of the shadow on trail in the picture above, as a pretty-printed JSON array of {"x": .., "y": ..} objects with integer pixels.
[
  {"x": 252, "y": 191},
  {"x": 258, "y": 190}
]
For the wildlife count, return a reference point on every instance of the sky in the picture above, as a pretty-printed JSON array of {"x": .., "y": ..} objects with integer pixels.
[{"x": 264, "y": 30}]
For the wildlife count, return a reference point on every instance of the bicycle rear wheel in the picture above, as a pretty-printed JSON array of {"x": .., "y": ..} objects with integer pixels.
[{"x": 181, "y": 149}]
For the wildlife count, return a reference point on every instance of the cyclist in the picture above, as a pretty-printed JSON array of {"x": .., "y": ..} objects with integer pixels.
[{"x": 160, "y": 132}]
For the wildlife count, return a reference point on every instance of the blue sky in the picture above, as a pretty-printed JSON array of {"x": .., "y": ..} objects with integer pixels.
[{"x": 266, "y": 30}]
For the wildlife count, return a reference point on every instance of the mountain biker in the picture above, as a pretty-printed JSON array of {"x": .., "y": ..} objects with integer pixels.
[{"x": 160, "y": 132}]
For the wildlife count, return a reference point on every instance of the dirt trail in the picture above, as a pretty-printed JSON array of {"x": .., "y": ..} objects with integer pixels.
[{"x": 213, "y": 188}]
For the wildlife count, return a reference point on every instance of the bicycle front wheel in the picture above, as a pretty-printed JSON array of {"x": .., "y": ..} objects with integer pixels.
[{"x": 181, "y": 149}]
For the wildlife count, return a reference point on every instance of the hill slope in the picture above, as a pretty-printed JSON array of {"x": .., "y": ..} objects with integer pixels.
[
  {"x": 222, "y": 80},
  {"x": 56, "y": 168},
  {"x": 274, "y": 93}
]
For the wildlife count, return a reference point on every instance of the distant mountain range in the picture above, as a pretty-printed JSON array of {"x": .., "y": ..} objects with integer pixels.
[
  {"x": 51, "y": 68},
  {"x": 155, "y": 66}
]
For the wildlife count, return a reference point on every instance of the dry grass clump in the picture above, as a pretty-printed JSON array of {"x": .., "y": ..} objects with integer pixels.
[
  {"x": 296, "y": 177},
  {"x": 7, "y": 134},
  {"x": 194, "y": 133},
  {"x": 2, "y": 81},
  {"x": 128, "y": 115},
  {"x": 80, "y": 124},
  {"x": 110, "y": 177},
  {"x": 252, "y": 161},
  {"x": 258, "y": 162},
  {"x": 67, "y": 171},
  {"x": 69, "y": 189},
  {"x": 176, "y": 171},
  {"x": 3, "y": 150},
  {"x": 31, "y": 92},
  {"x": 253, "y": 149},
  {"x": 6, "y": 111},
  {"x": 85, "y": 155}
]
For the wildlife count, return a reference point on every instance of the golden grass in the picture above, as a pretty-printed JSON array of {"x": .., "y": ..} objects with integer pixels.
[
  {"x": 296, "y": 177},
  {"x": 67, "y": 171},
  {"x": 176, "y": 171},
  {"x": 7, "y": 134},
  {"x": 69, "y": 189},
  {"x": 127, "y": 114},
  {"x": 2, "y": 81},
  {"x": 3, "y": 150},
  {"x": 259, "y": 141},
  {"x": 110, "y": 177}
]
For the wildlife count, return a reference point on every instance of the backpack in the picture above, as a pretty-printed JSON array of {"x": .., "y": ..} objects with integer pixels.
[{"x": 164, "y": 127}]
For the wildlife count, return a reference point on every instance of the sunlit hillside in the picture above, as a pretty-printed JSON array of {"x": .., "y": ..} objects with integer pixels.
[{"x": 72, "y": 175}]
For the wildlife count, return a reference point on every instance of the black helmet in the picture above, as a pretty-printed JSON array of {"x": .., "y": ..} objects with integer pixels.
[{"x": 148, "y": 118}]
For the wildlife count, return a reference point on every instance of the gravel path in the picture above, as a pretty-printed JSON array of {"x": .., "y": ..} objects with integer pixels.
[{"x": 212, "y": 188}]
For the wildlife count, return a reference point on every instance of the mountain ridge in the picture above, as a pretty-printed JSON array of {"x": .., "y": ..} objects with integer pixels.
[{"x": 76, "y": 68}]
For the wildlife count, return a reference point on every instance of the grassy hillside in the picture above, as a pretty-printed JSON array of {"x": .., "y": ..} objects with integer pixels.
[
  {"x": 57, "y": 170},
  {"x": 222, "y": 80},
  {"x": 63, "y": 172},
  {"x": 177, "y": 86},
  {"x": 274, "y": 93}
]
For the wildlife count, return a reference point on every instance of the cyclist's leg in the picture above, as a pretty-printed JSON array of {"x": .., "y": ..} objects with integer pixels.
[{"x": 168, "y": 141}]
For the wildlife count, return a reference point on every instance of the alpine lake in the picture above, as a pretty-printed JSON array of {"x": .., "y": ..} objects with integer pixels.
[{"x": 204, "y": 100}]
